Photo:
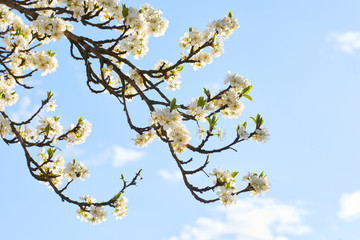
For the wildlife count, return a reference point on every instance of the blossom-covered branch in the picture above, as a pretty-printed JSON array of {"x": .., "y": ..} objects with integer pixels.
[{"x": 111, "y": 67}]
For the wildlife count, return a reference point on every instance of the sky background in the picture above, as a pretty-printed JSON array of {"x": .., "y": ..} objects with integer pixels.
[{"x": 303, "y": 60}]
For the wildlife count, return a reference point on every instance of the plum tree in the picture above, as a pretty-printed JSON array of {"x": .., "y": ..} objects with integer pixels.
[{"x": 111, "y": 67}]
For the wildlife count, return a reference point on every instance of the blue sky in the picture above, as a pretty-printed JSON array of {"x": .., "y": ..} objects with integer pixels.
[{"x": 303, "y": 59}]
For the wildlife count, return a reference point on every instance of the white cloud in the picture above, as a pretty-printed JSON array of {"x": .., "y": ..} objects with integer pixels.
[
  {"x": 122, "y": 156},
  {"x": 249, "y": 219},
  {"x": 170, "y": 176},
  {"x": 23, "y": 112},
  {"x": 350, "y": 206},
  {"x": 117, "y": 156},
  {"x": 348, "y": 42}
]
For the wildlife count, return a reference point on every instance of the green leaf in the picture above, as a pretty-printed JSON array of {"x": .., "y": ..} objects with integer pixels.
[
  {"x": 50, "y": 95},
  {"x": 50, "y": 53},
  {"x": 80, "y": 120},
  {"x": 47, "y": 129},
  {"x": 207, "y": 92},
  {"x": 125, "y": 11},
  {"x": 51, "y": 152},
  {"x": 261, "y": 174},
  {"x": 244, "y": 124},
  {"x": 190, "y": 29},
  {"x": 212, "y": 121},
  {"x": 233, "y": 174},
  {"x": 216, "y": 119},
  {"x": 246, "y": 90},
  {"x": 247, "y": 96},
  {"x": 74, "y": 161},
  {"x": 180, "y": 68},
  {"x": 214, "y": 36},
  {"x": 230, "y": 14},
  {"x": 201, "y": 102},
  {"x": 18, "y": 31},
  {"x": 259, "y": 121},
  {"x": 173, "y": 104},
  {"x": 253, "y": 119}
]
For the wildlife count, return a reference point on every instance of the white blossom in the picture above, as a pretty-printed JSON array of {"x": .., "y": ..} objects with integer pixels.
[
  {"x": 242, "y": 133},
  {"x": 8, "y": 96},
  {"x": 226, "y": 186},
  {"x": 51, "y": 106},
  {"x": 259, "y": 183},
  {"x": 74, "y": 170},
  {"x": 221, "y": 134},
  {"x": 236, "y": 81},
  {"x": 171, "y": 122},
  {"x": 144, "y": 139},
  {"x": 50, "y": 128},
  {"x": 5, "y": 127},
  {"x": 79, "y": 133},
  {"x": 171, "y": 77},
  {"x": 121, "y": 209},
  {"x": 53, "y": 167},
  {"x": 226, "y": 195},
  {"x": 199, "y": 112},
  {"x": 97, "y": 215},
  {"x": 261, "y": 135}
]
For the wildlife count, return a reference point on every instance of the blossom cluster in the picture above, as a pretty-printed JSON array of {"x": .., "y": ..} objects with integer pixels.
[
  {"x": 229, "y": 103},
  {"x": 199, "y": 108},
  {"x": 137, "y": 78},
  {"x": 8, "y": 96},
  {"x": 171, "y": 122},
  {"x": 49, "y": 127},
  {"x": 97, "y": 214},
  {"x": 121, "y": 209},
  {"x": 77, "y": 134},
  {"x": 142, "y": 24},
  {"x": 242, "y": 133},
  {"x": 55, "y": 169},
  {"x": 262, "y": 135},
  {"x": 50, "y": 28},
  {"x": 42, "y": 60},
  {"x": 19, "y": 36},
  {"x": 225, "y": 183},
  {"x": 171, "y": 77},
  {"x": 237, "y": 82},
  {"x": 45, "y": 28},
  {"x": 52, "y": 167},
  {"x": 5, "y": 127},
  {"x": 74, "y": 170},
  {"x": 144, "y": 139},
  {"x": 214, "y": 35},
  {"x": 226, "y": 189},
  {"x": 259, "y": 183},
  {"x": 232, "y": 97}
]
